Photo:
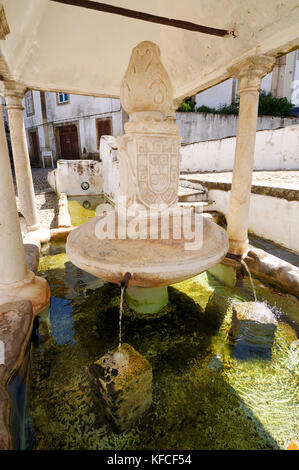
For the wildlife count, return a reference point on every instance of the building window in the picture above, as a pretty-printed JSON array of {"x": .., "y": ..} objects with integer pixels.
[
  {"x": 63, "y": 98},
  {"x": 29, "y": 103}
]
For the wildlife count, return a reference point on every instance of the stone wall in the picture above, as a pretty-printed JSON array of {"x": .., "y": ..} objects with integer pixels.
[
  {"x": 274, "y": 150},
  {"x": 77, "y": 177},
  {"x": 196, "y": 127}
]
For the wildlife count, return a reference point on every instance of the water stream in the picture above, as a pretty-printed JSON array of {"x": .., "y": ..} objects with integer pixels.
[
  {"x": 122, "y": 290},
  {"x": 251, "y": 281}
]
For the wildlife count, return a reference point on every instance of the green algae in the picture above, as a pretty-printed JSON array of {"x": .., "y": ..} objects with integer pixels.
[
  {"x": 57, "y": 261},
  {"x": 203, "y": 397},
  {"x": 83, "y": 208}
]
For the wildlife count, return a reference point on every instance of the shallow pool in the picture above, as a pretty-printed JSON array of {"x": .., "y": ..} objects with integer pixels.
[
  {"x": 206, "y": 394},
  {"x": 83, "y": 208}
]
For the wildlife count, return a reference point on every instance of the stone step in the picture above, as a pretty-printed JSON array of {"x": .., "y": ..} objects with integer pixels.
[
  {"x": 191, "y": 195},
  {"x": 185, "y": 183},
  {"x": 199, "y": 206}
]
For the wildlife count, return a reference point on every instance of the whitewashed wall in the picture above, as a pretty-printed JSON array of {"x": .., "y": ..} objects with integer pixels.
[
  {"x": 108, "y": 152},
  {"x": 270, "y": 217},
  {"x": 77, "y": 177},
  {"x": 35, "y": 121},
  {"x": 274, "y": 150}
]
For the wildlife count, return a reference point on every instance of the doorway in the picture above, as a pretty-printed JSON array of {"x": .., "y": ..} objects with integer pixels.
[
  {"x": 104, "y": 127},
  {"x": 33, "y": 137},
  {"x": 69, "y": 146}
]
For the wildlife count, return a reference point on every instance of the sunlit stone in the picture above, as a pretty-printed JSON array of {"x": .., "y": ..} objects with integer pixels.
[
  {"x": 123, "y": 380},
  {"x": 252, "y": 330}
]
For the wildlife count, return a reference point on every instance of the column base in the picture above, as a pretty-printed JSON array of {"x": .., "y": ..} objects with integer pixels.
[
  {"x": 147, "y": 299},
  {"x": 226, "y": 274},
  {"x": 239, "y": 247},
  {"x": 33, "y": 288},
  {"x": 40, "y": 234}
]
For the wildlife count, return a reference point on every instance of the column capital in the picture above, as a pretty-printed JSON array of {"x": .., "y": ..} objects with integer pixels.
[
  {"x": 14, "y": 93},
  {"x": 251, "y": 70}
]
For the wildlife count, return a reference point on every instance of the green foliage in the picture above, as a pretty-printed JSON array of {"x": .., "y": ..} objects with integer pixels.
[
  {"x": 233, "y": 108},
  {"x": 268, "y": 106},
  {"x": 187, "y": 106},
  {"x": 222, "y": 109},
  {"x": 206, "y": 109}
]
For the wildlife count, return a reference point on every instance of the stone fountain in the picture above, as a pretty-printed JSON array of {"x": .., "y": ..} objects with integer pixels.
[{"x": 149, "y": 156}]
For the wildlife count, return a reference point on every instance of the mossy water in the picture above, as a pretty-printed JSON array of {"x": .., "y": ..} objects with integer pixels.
[
  {"x": 204, "y": 397},
  {"x": 83, "y": 208}
]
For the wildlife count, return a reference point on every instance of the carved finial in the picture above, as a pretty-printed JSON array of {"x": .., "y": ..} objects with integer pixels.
[
  {"x": 146, "y": 85},
  {"x": 4, "y": 28}
]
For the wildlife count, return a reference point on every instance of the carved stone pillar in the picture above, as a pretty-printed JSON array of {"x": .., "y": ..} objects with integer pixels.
[
  {"x": 13, "y": 97},
  {"x": 250, "y": 73},
  {"x": 13, "y": 267},
  {"x": 149, "y": 151}
]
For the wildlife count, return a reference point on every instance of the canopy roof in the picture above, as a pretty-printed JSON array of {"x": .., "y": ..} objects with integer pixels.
[{"x": 57, "y": 47}]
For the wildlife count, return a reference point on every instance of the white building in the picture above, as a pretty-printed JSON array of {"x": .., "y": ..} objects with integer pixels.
[
  {"x": 69, "y": 126},
  {"x": 283, "y": 81}
]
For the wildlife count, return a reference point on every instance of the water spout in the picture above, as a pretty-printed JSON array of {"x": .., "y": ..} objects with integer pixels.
[
  {"x": 237, "y": 258},
  {"x": 124, "y": 281}
]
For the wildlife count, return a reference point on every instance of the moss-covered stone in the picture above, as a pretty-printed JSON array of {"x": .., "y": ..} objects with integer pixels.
[{"x": 122, "y": 378}]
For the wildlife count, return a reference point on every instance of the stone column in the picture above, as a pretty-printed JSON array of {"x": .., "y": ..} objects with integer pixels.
[
  {"x": 16, "y": 282},
  {"x": 13, "y": 267},
  {"x": 249, "y": 72},
  {"x": 14, "y": 94}
]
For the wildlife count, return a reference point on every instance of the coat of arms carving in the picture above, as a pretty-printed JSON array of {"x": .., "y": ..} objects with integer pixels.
[{"x": 158, "y": 162}]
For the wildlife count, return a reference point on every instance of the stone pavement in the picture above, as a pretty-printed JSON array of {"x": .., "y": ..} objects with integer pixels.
[{"x": 46, "y": 199}]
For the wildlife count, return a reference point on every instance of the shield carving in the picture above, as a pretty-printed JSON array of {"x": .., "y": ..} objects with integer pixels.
[{"x": 158, "y": 171}]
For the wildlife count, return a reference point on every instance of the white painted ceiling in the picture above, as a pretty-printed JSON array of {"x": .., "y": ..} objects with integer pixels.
[{"x": 58, "y": 47}]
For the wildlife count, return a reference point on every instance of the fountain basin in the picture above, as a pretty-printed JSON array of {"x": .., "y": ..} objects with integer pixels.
[{"x": 151, "y": 262}]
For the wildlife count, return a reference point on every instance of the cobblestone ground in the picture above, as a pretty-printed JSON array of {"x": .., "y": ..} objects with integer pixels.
[{"x": 46, "y": 199}]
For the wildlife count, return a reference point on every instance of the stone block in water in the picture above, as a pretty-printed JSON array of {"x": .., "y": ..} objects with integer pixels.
[
  {"x": 252, "y": 330},
  {"x": 122, "y": 378}
]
